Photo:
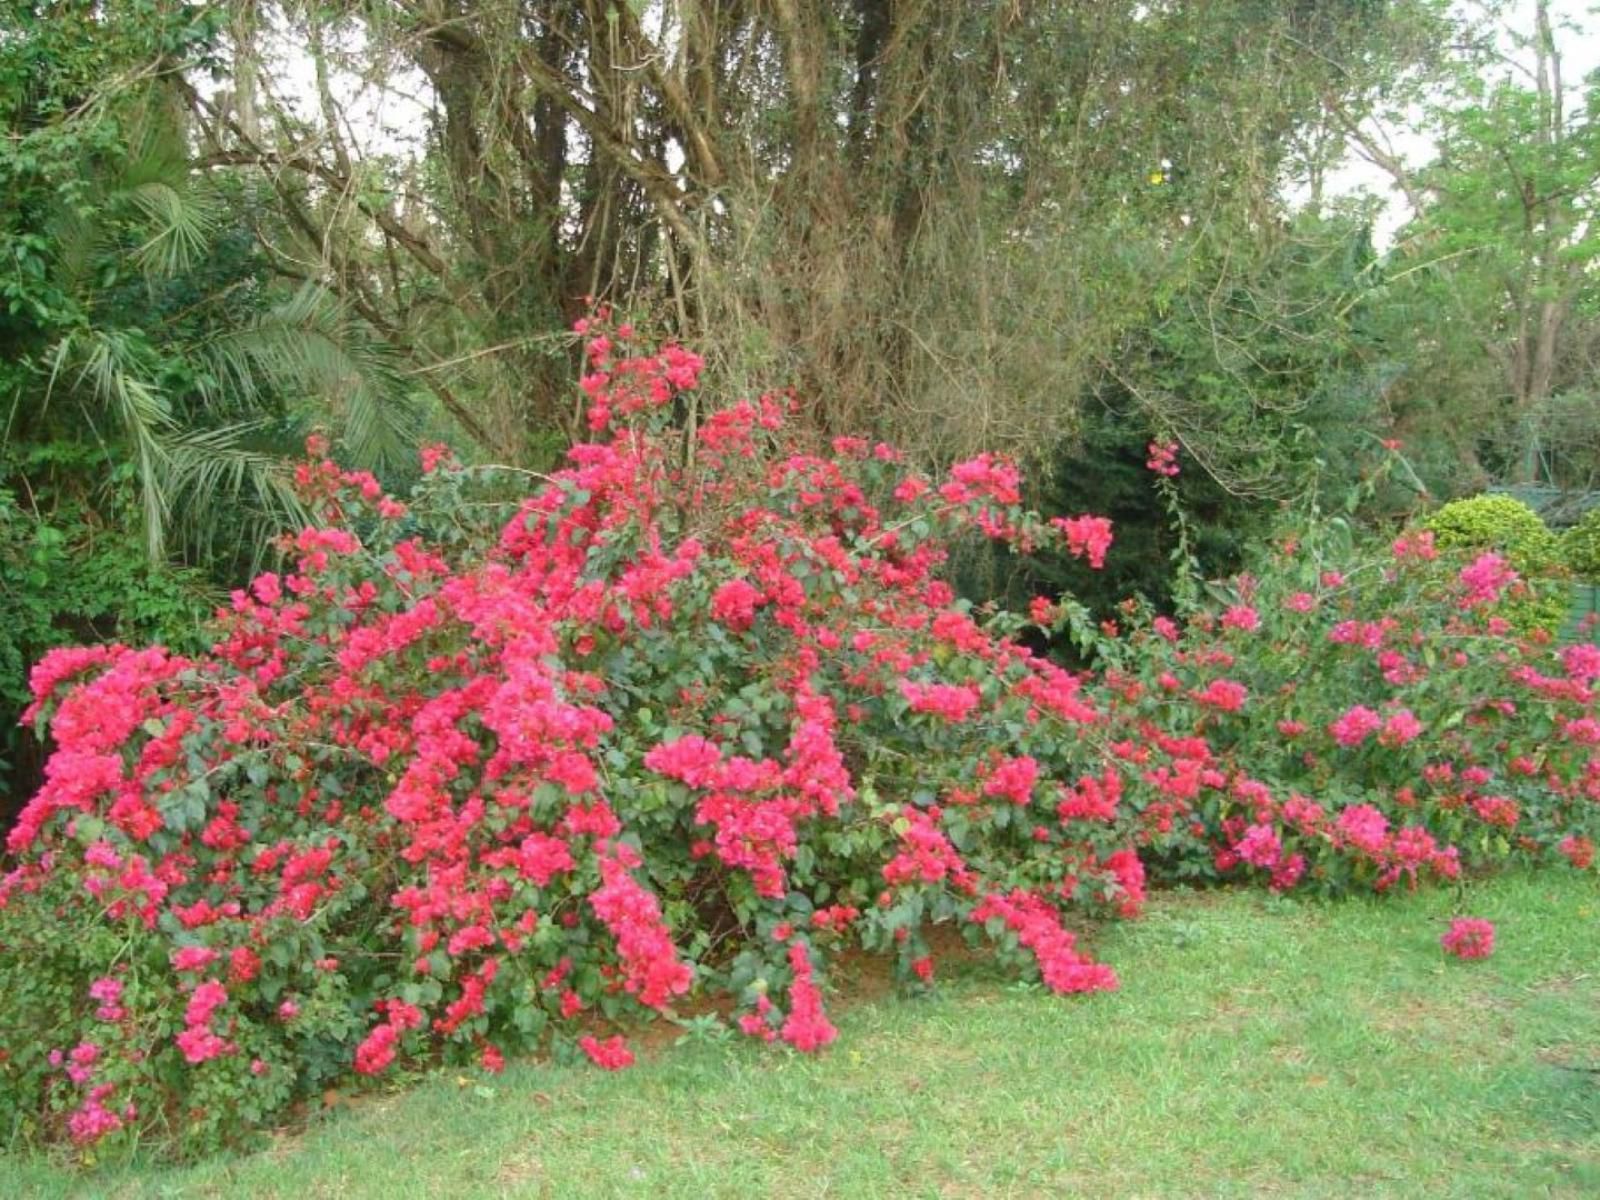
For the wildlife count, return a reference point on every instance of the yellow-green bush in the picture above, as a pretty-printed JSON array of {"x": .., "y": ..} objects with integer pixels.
[
  {"x": 1580, "y": 547},
  {"x": 1511, "y": 528},
  {"x": 1500, "y": 523}
]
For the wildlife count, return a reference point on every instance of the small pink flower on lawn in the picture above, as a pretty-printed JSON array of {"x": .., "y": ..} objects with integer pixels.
[{"x": 1469, "y": 937}]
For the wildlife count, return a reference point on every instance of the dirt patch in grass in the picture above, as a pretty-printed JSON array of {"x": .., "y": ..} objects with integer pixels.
[
  {"x": 1446, "y": 1024},
  {"x": 1561, "y": 985}
]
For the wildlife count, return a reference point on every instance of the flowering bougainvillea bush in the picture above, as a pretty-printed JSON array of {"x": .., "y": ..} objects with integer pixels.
[
  {"x": 670, "y": 728},
  {"x": 1344, "y": 719}
]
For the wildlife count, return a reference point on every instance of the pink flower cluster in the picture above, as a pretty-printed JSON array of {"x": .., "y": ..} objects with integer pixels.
[
  {"x": 1484, "y": 579},
  {"x": 926, "y": 855},
  {"x": 1087, "y": 536},
  {"x": 652, "y": 970},
  {"x": 1163, "y": 458},
  {"x": 953, "y": 702},
  {"x": 611, "y": 1054},
  {"x": 377, "y": 1049},
  {"x": 198, "y": 1041},
  {"x": 1355, "y": 726},
  {"x": 1038, "y": 928},
  {"x": 108, "y": 992},
  {"x": 806, "y": 1027},
  {"x": 1469, "y": 937}
]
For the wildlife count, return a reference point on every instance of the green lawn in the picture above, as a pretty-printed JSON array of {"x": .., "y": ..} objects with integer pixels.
[{"x": 1257, "y": 1047}]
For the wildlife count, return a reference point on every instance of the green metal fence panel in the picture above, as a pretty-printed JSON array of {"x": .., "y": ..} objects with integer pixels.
[
  {"x": 1559, "y": 508},
  {"x": 1585, "y": 605}
]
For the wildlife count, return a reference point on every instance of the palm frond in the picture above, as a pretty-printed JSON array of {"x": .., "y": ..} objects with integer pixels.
[
  {"x": 308, "y": 349},
  {"x": 214, "y": 468},
  {"x": 75, "y": 239},
  {"x": 178, "y": 209},
  {"x": 111, "y": 366},
  {"x": 180, "y": 222}
]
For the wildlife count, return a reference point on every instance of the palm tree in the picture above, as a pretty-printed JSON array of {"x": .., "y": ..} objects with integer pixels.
[{"x": 157, "y": 363}]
